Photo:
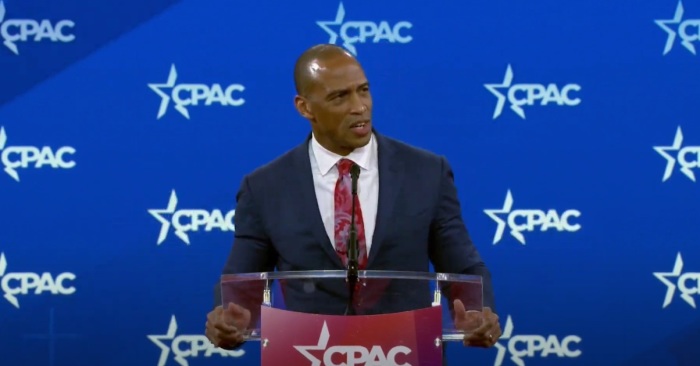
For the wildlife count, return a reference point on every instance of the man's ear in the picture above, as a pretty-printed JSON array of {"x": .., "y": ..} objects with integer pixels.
[{"x": 302, "y": 106}]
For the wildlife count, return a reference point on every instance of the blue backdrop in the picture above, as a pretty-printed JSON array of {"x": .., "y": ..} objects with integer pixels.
[{"x": 572, "y": 128}]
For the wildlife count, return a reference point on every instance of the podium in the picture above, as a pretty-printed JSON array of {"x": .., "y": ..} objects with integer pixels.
[{"x": 398, "y": 318}]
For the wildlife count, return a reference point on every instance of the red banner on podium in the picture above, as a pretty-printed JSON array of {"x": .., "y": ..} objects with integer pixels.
[{"x": 410, "y": 338}]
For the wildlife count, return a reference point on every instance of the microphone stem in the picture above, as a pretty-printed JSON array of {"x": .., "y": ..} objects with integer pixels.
[{"x": 352, "y": 251}]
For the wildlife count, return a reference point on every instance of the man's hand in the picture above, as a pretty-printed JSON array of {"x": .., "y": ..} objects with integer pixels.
[
  {"x": 225, "y": 327},
  {"x": 482, "y": 328}
]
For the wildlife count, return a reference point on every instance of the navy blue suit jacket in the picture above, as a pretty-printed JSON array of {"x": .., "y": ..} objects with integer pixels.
[{"x": 419, "y": 220}]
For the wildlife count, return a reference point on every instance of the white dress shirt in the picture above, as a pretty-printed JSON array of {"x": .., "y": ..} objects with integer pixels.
[{"x": 325, "y": 173}]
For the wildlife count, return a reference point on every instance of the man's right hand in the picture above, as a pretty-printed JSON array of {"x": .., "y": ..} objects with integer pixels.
[{"x": 225, "y": 327}]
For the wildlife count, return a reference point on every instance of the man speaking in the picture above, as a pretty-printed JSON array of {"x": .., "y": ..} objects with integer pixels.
[{"x": 294, "y": 213}]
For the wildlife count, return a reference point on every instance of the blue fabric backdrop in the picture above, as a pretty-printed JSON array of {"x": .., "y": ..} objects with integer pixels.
[{"x": 572, "y": 128}]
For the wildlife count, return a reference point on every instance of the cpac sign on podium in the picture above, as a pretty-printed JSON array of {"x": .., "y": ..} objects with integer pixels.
[
  {"x": 399, "y": 318},
  {"x": 405, "y": 338}
]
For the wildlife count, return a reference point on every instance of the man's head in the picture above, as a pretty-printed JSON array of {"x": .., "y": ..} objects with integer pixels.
[{"x": 333, "y": 94}]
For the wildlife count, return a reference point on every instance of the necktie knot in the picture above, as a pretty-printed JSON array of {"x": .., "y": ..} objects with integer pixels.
[{"x": 344, "y": 166}]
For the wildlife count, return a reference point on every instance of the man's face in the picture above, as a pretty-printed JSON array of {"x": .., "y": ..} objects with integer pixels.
[{"x": 339, "y": 105}]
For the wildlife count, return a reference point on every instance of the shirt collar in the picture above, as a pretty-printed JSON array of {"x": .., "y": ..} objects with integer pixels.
[{"x": 326, "y": 159}]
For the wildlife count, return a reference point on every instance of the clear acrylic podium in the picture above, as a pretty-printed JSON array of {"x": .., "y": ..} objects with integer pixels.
[{"x": 399, "y": 318}]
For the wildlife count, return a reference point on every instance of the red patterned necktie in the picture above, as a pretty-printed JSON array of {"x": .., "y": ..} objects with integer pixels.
[{"x": 343, "y": 210}]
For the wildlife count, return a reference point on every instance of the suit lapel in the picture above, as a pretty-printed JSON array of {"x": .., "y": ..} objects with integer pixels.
[
  {"x": 309, "y": 202},
  {"x": 390, "y": 179}
]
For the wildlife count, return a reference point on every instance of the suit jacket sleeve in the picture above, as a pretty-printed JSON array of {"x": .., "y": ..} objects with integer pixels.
[
  {"x": 451, "y": 248},
  {"x": 252, "y": 250}
]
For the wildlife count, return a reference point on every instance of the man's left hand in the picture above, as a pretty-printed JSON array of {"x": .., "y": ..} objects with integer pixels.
[{"x": 482, "y": 328}]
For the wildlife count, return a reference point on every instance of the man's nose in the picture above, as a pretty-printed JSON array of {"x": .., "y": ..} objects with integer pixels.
[{"x": 357, "y": 105}]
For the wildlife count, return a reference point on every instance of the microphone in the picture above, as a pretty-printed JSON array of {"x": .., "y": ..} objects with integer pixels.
[{"x": 353, "y": 246}]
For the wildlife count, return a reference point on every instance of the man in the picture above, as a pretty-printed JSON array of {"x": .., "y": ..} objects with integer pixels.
[{"x": 293, "y": 213}]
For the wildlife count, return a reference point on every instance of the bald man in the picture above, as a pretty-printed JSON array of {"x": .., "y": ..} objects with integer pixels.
[{"x": 293, "y": 213}]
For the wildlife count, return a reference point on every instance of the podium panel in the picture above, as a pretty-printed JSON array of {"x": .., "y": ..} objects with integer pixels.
[{"x": 405, "y": 338}]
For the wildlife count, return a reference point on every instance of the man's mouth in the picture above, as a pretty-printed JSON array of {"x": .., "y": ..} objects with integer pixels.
[{"x": 359, "y": 124}]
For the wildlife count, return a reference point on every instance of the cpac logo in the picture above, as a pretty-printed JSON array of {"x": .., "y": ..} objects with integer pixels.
[
  {"x": 14, "y": 284},
  {"x": 529, "y": 219},
  {"x": 186, "y": 95},
  {"x": 529, "y": 346},
  {"x": 362, "y": 31},
  {"x": 688, "y": 29},
  {"x": 24, "y": 30},
  {"x": 688, "y": 283},
  {"x": 187, "y": 346},
  {"x": 196, "y": 219},
  {"x": 520, "y": 95},
  {"x": 688, "y": 157},
  {"x": 352, "y": 355},
  {"x": 24, "y": 157}
]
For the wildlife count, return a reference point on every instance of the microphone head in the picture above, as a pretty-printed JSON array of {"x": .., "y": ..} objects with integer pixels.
[
  {"x": 354, "y": 171},
  {"x": 354, "y": 174}
]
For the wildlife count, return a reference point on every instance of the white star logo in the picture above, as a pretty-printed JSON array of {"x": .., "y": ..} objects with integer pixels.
[
  {"x": 663, "y": 277},
  {"x": 3, "y": 268},
  {"x": 165, "y": 349},
  {"x": 670, "y": 160},
  {"x": 507, "y": 333},
  {"x": 165, "y": 223},
  {"x": 3, "y": 264},
  {"x": 3, "y": 138},
  {"x": 322, "y": 343},
  {"x": 493, "y": 88},
  {"x": 165, "y": 98},
  {"x": 677, "y": 18},
  {"x": 9, "y": 44},
  {"x": 12, "y": 299},
  {"x": 326, "y": 26},
  {"x": 494, "y": 214},
  {"x": 3, "y": 142}
]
